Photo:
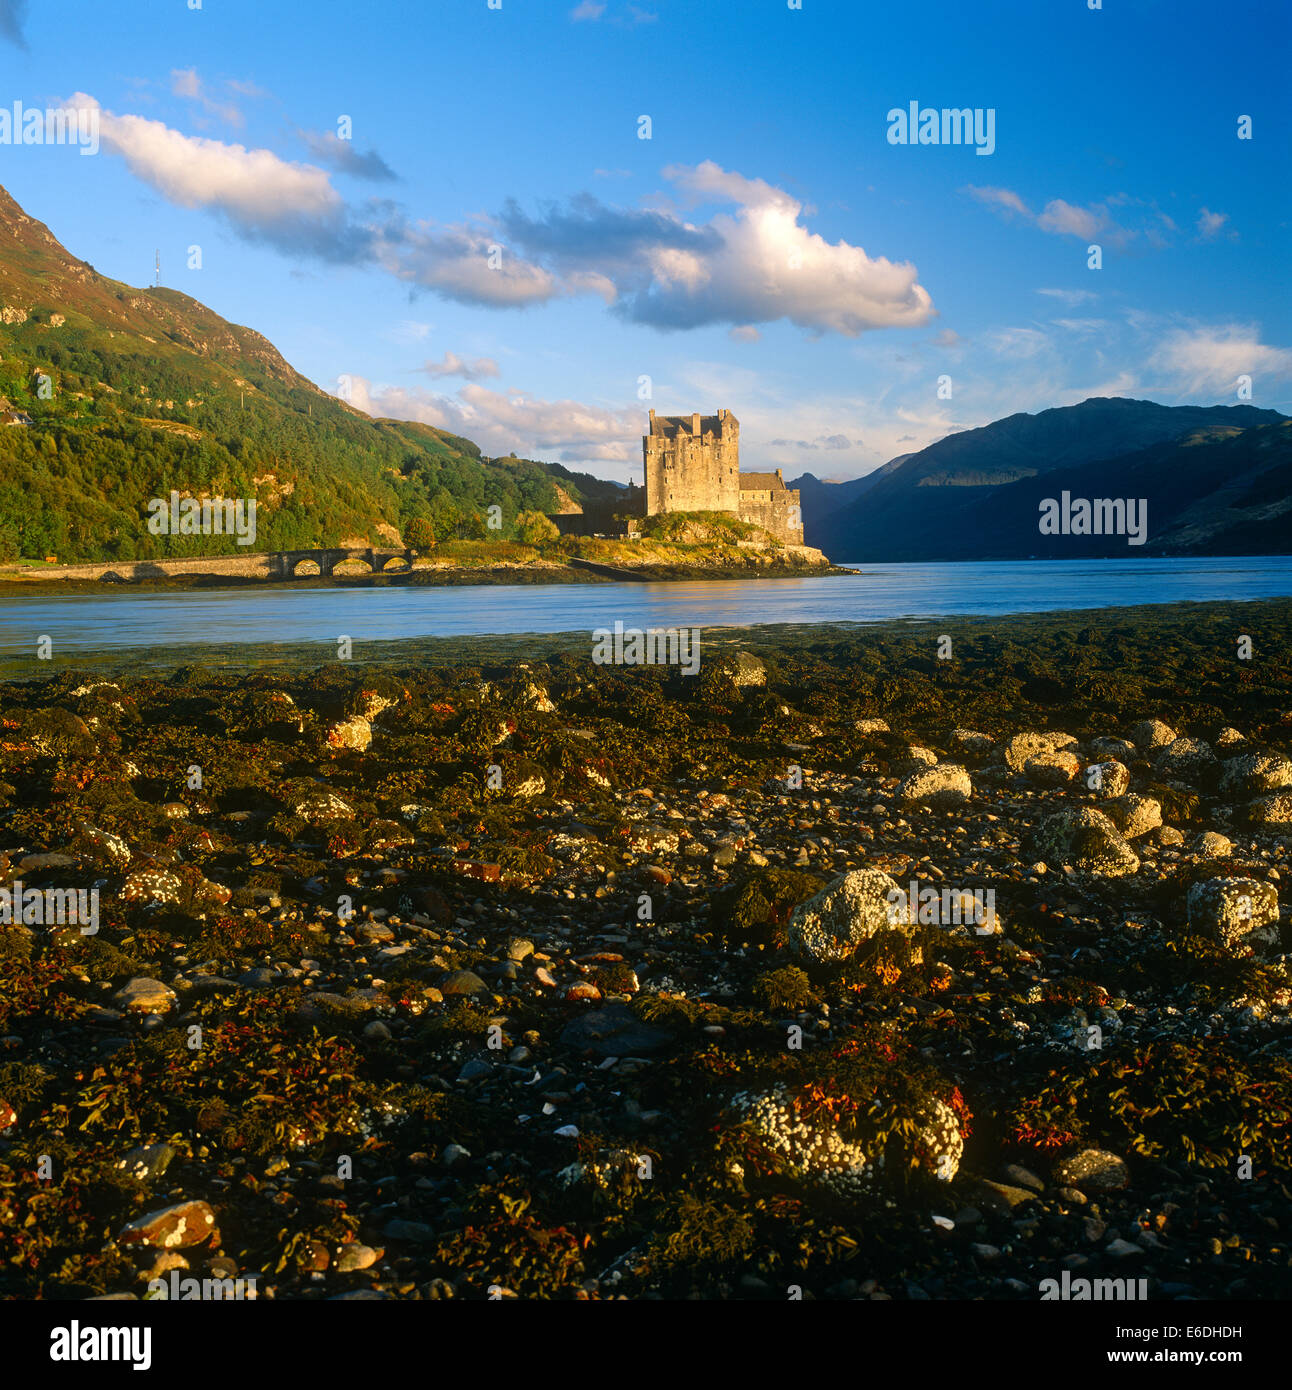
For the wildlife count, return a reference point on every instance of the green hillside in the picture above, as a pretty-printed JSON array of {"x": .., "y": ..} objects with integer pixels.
[{"x": 150, "y": 391}]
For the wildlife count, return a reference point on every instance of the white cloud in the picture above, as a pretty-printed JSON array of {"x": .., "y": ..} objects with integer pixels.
[
  {"x": 184, "y": 82},
  {"x": 1210, "y": 223},
  {"x": 1070, "y": 297},
  {"x": 1004, "y": 199},
  {"x": 587, "y": 9},
  {"x": 755, "y": 265},
  {"x": 1209, "y": 360},
  {"x": 1065, "y": 219},
  {"x": 511, "y": 421},
  {"x": 292, "y": 206},
  {"x": 453, "y": 365}
]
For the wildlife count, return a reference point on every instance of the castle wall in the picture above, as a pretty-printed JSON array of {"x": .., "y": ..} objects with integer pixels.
[{"x": 776, "y": 512}]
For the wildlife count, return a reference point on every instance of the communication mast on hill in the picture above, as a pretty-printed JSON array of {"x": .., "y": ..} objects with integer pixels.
[{"x": 157, "y": 269}]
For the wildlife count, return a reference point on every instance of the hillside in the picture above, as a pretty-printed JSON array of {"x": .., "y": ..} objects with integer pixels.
[
  {"x": 151, "y": 391},
  {"x": 975, "y": 495}
]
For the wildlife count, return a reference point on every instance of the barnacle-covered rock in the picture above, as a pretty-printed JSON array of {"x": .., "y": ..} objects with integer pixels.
[
  {"x": 829, "y": 926},
  {"x": 1083, "y": 838},
  {"x": 810, "y": 1146},
  {"x": 1150, "y": 734},
  {"x": 1274, "y": 809},
  {"x": 1052, "y": 767},
  {"x": 353, "y": 734},
  {"x": 1187, "y": 760},
  {"x": 1108, "y": 779},
  {"x": 1239, "y": 912},
  {"x": 947, "y": 784},
  {"x": 1019, "y": 751},
  {"x": 1134, "y": 815},
  {"x": 1253, "y": 773}
]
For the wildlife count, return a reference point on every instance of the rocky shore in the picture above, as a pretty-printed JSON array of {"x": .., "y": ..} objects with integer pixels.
[{"x": 543, "y": 979}]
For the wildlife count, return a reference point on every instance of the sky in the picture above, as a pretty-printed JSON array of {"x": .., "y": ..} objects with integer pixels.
[{"x": 531, "y": 221}]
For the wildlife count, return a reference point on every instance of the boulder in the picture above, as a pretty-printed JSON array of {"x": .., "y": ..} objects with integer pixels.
[
  {"x": 1092, "y": 1170},
  {"x": 1052, "y": 767},
  {"x": 1023, "y": 747},
  {"x": 848, "y": 911},
  {"x": 1185, "y": 760},
  {"x": 1085, "y": 839},
  {"x": 1149, "y": 734},
  {"x": 1253, "y": 773},
  {"x": 1134, "y": 815},
  {"x": 814, "y": 1152},
  {"x": 1240, "y": 913},
  {"x": 1108, "y": 779},
  {"x": 947, "y": 784}
]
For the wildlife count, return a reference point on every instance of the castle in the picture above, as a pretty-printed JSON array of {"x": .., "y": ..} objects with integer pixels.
[{"x": 693, "y": 465}]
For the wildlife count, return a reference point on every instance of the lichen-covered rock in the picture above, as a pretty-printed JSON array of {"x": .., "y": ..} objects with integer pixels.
[
  {"x": 1023, "y": 747},
  {"x": 353, "y": 734},
  {"x": 1274, "y": 809},
  {"x": 1150, "y": 734},
  {"x": 318, "y": 807},
  {"x": 1230, "y": 739},
  {"x": 1239, "y": 912},
  {"x": 972, "y": 741},
  {"x": 871, "y": 726},
  {"x": 848, "y": 911},
  {"x": 1085, "y": 839},
  {"x": 744, "y": 669},
  {"x": 947, "y": 784},
  {"x": 1185, "y": 760},
  {"x": 1133, "y": 815},
  {"x": 1121, "y": 749},
  {"x": 1212, "y": 845},
  {"x": 1252, "y": 773},
  {"x": 914, "y": 759},
  {"x": 1107, "y": 779},
  {"x": 181, "y": 885},
  {"x": 183, "y": 1224},
  {"x": 144, "y": 996},
  {"x": 813, "y": 1151},
  {"x": 1092, "y": 1170},
  {"x": 1052, "y": 767}
]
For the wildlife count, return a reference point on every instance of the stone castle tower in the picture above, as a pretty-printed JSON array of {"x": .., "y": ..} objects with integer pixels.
[{"x": 693, "y": 465}]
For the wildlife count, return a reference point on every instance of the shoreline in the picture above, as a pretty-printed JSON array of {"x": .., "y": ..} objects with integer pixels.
[
  {"x": 441, "y": 1049},
  {"x": 487, "y": 648}
]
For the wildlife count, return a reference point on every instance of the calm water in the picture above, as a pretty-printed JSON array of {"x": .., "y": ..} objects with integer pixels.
[{"x": 114, "y": 619}]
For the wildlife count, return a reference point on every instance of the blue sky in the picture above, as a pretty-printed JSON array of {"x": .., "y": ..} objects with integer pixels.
[{"x": 768, "y": 249}]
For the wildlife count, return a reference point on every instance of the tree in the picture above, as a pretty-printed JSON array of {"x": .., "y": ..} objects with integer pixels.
[
  {"x": 533, "y": 528},
  {"x": 419, "y": 534}
]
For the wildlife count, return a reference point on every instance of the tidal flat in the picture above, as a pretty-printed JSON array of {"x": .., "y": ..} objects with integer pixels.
[{"x": 481, "y": 970}]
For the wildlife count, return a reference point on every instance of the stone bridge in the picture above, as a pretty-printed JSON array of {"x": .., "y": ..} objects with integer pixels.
[
  {"x": 274, "y": 564},
  {"x": 283, "y": 564}
]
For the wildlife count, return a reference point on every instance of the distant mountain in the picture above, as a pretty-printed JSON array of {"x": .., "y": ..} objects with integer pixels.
[
  {"x": 821, "y": 500},
  {"x": 1214, "y": 477},
  {"x": 147, "y": 390}
]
